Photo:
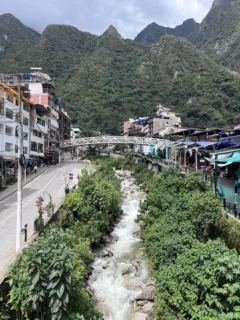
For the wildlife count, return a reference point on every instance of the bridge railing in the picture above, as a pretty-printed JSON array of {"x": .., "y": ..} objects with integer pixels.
[{"x": 86, "y": 141}]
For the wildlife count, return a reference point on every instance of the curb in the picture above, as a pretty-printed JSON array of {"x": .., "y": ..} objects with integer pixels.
[{"x": 1, "y": 199}]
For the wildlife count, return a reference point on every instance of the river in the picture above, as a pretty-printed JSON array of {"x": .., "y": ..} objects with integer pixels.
[{"x": 120, "y": 279}]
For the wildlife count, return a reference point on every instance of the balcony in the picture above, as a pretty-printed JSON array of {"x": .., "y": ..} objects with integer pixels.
[{"x": 39, "y": 127}]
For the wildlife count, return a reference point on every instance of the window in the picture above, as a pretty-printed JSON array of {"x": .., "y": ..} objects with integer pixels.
[
  {"x": 41, "y": 122},
  {"x": 35, "y": 133},
  {"x": 8, "y": 130},
  {"x": 40, "y": 147},
  {"x": 34, "y": 146},
  {"x": 39, "y": 135},
  {"x": 25, "y": 150},
  {"x": 16, "y": 102},
  {"x": 25, "y": 135},
  {"x": 9, "y": 113},
  {"x": 8, "y": 147},
  {"x": 10, "y": 98},
  {"x": 25, "y": 121},
  {"x": 16, "y": 148},
  {"x": 1, "y": 107},
  {"x": 26, "y": 107}
]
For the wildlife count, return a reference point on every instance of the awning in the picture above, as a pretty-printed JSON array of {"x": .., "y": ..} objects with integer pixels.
[
  {"x": 220, "y": 157},
  {"x": 233, "y": 159}
]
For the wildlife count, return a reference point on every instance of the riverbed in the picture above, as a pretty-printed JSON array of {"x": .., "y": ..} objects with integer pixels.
[{"x": 120, "y": 280}]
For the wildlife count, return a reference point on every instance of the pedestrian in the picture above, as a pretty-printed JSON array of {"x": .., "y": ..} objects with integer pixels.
[
  {"x": 236, "y": 186},
  {"x": 35, "y": 168}
]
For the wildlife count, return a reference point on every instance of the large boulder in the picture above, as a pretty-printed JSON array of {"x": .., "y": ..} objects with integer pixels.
[
  {"x": 139, "y": 316},
  {"x": 148, "y": 307},
  {"x": 146, "y": 294}
]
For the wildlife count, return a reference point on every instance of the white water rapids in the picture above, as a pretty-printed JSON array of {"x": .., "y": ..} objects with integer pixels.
[{"x": 118, "y": 279}]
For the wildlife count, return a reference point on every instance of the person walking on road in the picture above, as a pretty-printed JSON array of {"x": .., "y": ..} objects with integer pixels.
[{"x": 35, "y": 168}]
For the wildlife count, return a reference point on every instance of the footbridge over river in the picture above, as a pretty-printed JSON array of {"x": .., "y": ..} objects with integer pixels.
[{"x": 114, "y": 140}]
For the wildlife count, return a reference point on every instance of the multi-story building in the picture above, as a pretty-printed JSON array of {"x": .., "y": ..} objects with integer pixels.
[
  {"x": 138, "y": 125},
  {"x": 165, "y": 118},
  {"x": 9, "y": 131},
  {"x": 45, "y": 123},
  {"x": 39, "y": 129},
  {"x": 64, "y": 124},
  {"x": 54, "y": 124}
]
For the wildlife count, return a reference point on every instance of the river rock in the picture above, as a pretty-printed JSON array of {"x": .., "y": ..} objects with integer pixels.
[
  {"x": 142, "y": 302},
  {"x": 150, "y": 282},
  {"x": 89, "y": 290},
  {"x": 136, "y": 309},
  {"x": 104, "y": 310},
  {"x": 133, "y": 287},
  {"x": 127, "y": 271},
  {"x": 139, "y": 316},
  {"x": 148, "y": 307},
  {"x": 146, "y": 294},
  {"x": 106, "y": 265},
  {"x": 88, "y": 272},
  {"x": 137, "y": 274},
  {"x": 106, "y": 253}
]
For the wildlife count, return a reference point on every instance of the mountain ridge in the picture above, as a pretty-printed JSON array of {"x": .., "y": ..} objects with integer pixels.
[
  {"x": 153, "y": 32},
  {"x": 219, "y": 33},
  {"x": 104, "y": 80}
]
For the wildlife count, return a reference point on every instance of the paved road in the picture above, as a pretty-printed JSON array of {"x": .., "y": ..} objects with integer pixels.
[{"x": 51, "y": 181}]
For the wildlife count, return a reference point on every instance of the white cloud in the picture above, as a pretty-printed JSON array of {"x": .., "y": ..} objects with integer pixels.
[{"x": 128, "y": 16}]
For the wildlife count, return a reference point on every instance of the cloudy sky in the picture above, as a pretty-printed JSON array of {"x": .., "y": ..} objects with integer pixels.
[{"x": 128, "y": 16}]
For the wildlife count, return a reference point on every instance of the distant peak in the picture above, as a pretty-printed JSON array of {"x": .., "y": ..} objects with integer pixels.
[
  {"x": 153, "y": 24},
  {"x": 189, "y": 20},
  {"x": 7, "y": 15},
  {"x": 112, "y": 31}
]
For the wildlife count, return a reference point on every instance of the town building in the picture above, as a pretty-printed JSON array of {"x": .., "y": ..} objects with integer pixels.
[
  {"x": 50, "y": 124},
  {"x": 126, "y": 126},
  {"x": 164, "y": 119},
  {"x": 138, "y": 126},
  {"x": 45, "y": 123},
  {"x": 75, "y": 133},
  {"x": 9, "y": 131}
]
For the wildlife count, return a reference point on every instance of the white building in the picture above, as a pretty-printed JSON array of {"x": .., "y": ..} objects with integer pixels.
[
  {"x": 39, "y": 129},
  {"x": 164, "y": 119},
  {"x": 9, "y": 127},
  {"x": 76, "y": 133},
  {"x": 9, "y": 132}
]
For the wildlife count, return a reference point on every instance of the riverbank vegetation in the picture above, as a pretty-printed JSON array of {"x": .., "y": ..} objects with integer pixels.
[
  {"x": 191, "y": 246},
  {"x": 48, "y": 280}
]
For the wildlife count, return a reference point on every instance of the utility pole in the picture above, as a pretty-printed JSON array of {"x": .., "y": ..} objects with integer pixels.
[{"x": 19, "y": 183}]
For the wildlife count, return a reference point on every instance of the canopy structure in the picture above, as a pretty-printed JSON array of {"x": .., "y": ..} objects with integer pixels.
[{"x": 230, "y": 160}]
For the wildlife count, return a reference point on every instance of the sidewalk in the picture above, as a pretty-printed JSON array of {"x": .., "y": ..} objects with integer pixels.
[{"x": 13, "y": 188}]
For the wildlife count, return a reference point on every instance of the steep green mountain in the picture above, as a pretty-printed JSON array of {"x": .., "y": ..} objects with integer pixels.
[
  {"x": 219, "y": 33},
  {"x": 15, "y": 39},
  {"x": 153, "y": 32},
  {"x": 105, "y": 79},
  {"x": 123, "y": 79}
]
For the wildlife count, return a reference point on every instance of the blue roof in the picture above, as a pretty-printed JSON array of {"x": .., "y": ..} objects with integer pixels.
[
  {"x": 205, "y": 143},
  {"x": 227, "y": 144}
]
